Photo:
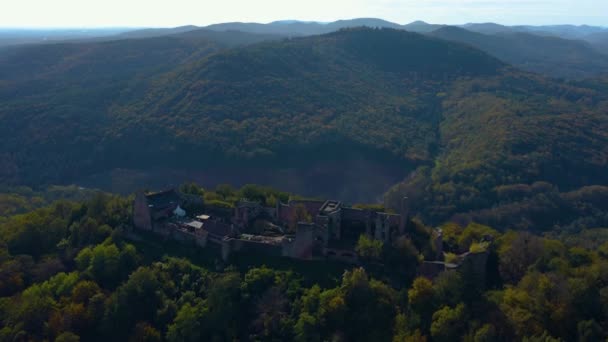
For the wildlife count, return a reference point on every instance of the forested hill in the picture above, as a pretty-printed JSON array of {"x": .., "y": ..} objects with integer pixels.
[
  {"x": 465, "y": 121},
  {"x": 360, "y": 88},
  {"x": 91, "y": 107},
  {"x": 600, "y": 41},
  {"x": 71, "y": 59},
  {"x": 483, "y": 128},
  {"x": 55, "y": 97},
  {"x": 546, "y": 55}
]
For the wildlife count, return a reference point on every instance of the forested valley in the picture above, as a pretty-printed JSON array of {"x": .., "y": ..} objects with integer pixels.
[{"x": 498, "y": 145}]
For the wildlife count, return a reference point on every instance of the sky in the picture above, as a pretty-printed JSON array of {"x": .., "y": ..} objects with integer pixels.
[{"x": 171, "y": 13}]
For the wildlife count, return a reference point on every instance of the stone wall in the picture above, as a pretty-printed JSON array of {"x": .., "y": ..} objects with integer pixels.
[
  {"x": 341, "y": 255},
  {"x": 230, "y": 246},
  {"x": 304, "y": 243},
  {"x": 475, "y": 266},
  {"x": 431, "y": 269},
  {"x": 141, "y": 212},
  {"x": 357, "y": 215}
]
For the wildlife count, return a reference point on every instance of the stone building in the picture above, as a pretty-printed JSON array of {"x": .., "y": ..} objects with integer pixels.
[
  {"x": 329, "y": 228},
  {"x": 301, "y": 229},
  {"x": 154, "y": 209}
]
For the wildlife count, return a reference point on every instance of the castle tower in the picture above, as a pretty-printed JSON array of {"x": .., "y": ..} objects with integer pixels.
[{"x": 141, "y": 212}]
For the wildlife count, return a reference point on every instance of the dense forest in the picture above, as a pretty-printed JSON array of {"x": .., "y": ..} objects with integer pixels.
[
  {"x": 74, "y": 270},
  {"x": 547, "y": 55},
  {"x": 460, "y": 127},
  {"x": 502, "y": 161}
]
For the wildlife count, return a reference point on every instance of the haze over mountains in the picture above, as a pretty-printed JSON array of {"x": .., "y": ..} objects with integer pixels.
[
  {"x": 559, "y": 51},
  {"x": 548, "y": 55},
  {"x": 450, "y": 113},
  {"x": 18, "y": 36}
]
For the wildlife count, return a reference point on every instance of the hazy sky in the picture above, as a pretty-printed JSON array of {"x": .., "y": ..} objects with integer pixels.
[{"x": 106, "y": 13}]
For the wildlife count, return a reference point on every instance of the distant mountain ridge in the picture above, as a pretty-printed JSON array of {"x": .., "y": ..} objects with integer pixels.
[
  {"x": 295, "y": 27},
  {"x": 563, "y": 31},
  {"x": 599, "y": 40},
  {"x": 543, "y": 54},
  {"x": 559, "y": 51},
  {"x": 11, "y": 36}
]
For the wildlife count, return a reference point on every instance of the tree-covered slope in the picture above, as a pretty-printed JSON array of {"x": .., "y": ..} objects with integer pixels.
[
  {"x": 546, "y": 55},
  {"x": 54, "y": 99},
  {"x": 599, "y": 40},
  {"x": 470, "y": 122},
  {"x": 473, "y": 123},
  {"x": 556, "y": 51},
  {"x": 362, "y": 87},
  {"x": 508, "y": 133},
  {"x": 358, "y": 89}
]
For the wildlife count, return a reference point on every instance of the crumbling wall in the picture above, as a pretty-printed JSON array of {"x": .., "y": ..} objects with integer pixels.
[
  {"x": 474, "y": 266},
  {"x": 383, "y": 228},
  {"x": 356, "y": 215},
  {"x": 304, "y": 242},
  {"x": 341, "y": 255},
  {"x": 141, "y": 212}
]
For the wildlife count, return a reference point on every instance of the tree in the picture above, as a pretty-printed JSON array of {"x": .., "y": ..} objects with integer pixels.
[
  {"x": 254, "y": 193},
  {"x": 88, "y": 232},
  {"x": 401, "y": 328},
  {"x": 487, "y": 333},
  {"x": 188, "y": 324},
  {"x": 127, "y": 261},
  {"x": 258, "y": 280},
  {"x": 301, "y": 214},
  {"x": 367, "y": 307},
  {"x": 518, "y": 307},
  {"x": 14, "y": 274},
  {"x": 474, "y": 233},
  {"x": 449, "y": 288},
  {"x": 517, "y": 254},
  {"x": 226, "y": 191},
  {"x": 105, "y": 264},
  {"x": 306, "y": 328},
  {"x": 224, "y": 303},
  {"x": 271, "y": 317},
  {"x": 139, "y": 299},
  {"x": 272, "y": 200},
  {"x": 422, "y": 298},
  {"x": 369, "y": 249},
  {"x": 589, "y": 331},
  {"x": 448, "y": 323},
  {"x": 403, "y": 259},
  {"x": 544, "y": 337},
  {"x": 144, "y": 332},
  {"x": 67, "y": 336},
  {"x": 38, "y": 232},
  {"x": 84, "y": 291},
  {"x": 192, "y": 189},
  {"x": 72, "y": 317},
  {"x": 34, "y": 308}
]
